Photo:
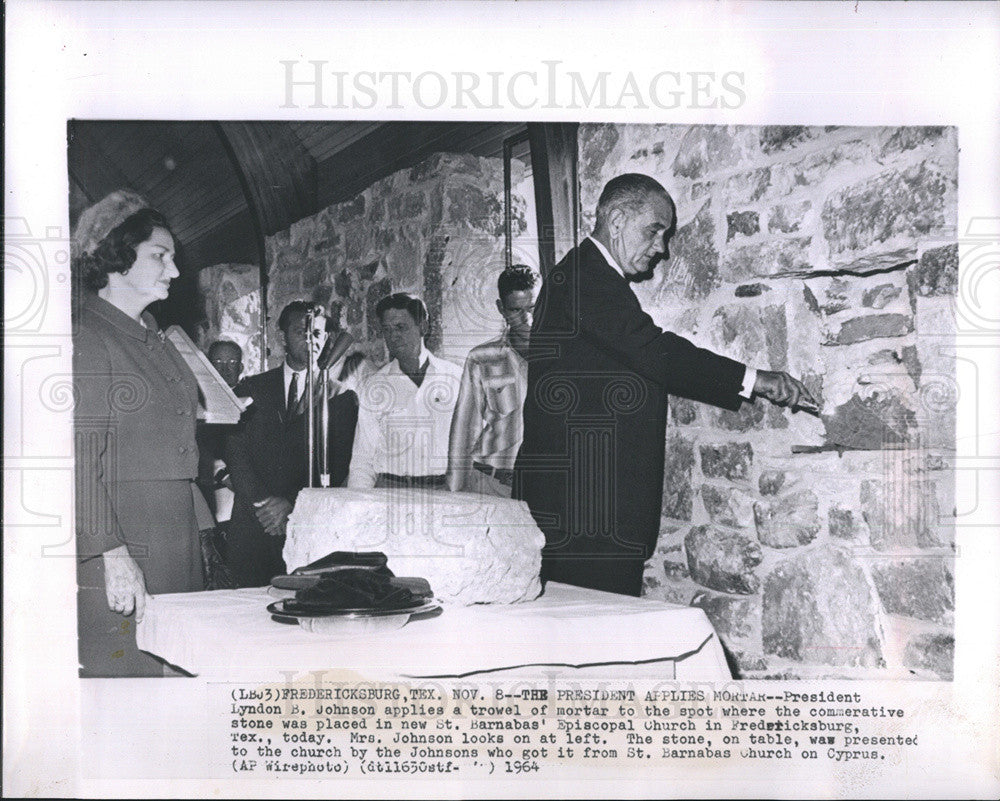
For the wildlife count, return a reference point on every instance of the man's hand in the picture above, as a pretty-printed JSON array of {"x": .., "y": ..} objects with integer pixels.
[
  {"x": 273, "y": 513},
  {"x": 124, "y": 583},
  {"x": 783, "y": 390}
]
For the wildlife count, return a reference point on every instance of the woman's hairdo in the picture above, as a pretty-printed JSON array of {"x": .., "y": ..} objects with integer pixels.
[
  {"x": 406, "y": 302},
  {"x": 115, "y": 252}
]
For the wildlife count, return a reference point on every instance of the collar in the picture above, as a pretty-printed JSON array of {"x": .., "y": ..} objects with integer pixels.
[
  {"x": 608, "y": 257},
  {"x": 114, "y": 316},
  {"x": 426, "y": 357}
]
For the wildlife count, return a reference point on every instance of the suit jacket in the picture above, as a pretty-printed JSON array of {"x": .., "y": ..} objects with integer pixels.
[
  {"x": 266, "y": 453},
  {"x": 136, "y": 404},
  {"x": 591, "y": 463}
]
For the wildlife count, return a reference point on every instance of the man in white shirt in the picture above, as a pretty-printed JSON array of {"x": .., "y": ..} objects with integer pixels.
[{"x": 405, "y": 408}]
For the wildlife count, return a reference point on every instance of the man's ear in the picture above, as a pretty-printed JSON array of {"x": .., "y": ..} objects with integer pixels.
[{"x": 616, "y": 220}]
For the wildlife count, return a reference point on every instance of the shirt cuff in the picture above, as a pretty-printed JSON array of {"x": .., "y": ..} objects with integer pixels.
[{"x": 749, "y": 380}]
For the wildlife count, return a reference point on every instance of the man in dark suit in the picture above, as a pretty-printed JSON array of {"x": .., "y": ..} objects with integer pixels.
[
  {"x": 591, "y": 463},
  {"x": 267, "y": 454}
]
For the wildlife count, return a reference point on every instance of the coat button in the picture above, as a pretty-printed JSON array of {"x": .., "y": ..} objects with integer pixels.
[{"x": 182, "y": 449}]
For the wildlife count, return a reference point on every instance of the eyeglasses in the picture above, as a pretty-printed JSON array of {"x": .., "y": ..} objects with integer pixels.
[{"x": 226, "y": 361}]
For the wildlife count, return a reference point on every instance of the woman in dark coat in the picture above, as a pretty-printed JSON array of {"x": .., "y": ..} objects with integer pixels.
[{"x": 136, "y": 458}]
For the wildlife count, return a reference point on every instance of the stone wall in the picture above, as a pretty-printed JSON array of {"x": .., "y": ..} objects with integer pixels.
[
  {"x": 818, "y": 547},
  {"x": 436, "y": 230},
  {"x": 231, "y": 295}
]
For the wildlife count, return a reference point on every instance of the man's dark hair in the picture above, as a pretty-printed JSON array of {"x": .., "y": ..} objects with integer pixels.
[
  {"x": 516, "y": 278},
  {"x": 116, "y": 252},
  {"x": 297, "y": 307},
  {"x": 629, "y": 192},
  {"x": 406, "y": 302},
  {"x": 216, "y": 346}
]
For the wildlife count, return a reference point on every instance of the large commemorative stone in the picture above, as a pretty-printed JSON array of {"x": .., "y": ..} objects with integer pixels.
[
  {"x": 471, "y": 548},
  {"x": 818, "y": 608},
  {"x": 723, "y": 560}
]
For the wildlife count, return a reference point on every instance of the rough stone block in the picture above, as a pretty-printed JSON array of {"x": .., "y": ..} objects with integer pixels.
[
  {"x": 747, "y": 187},
  {"x": 426, "y": 168},
  {"x": 351, "y": 209},
  {"x": 750, "y": 415},
  {"x": 683, "y": 411},
  {"x": 818, "y": 608},
  {"x": 472, "y": 206},
  {"x": 746, "y": 223},
  {"x": 755, "y": 331},
  {"x": 782, "y": 137},
  {"x": 731, "y": 460},
  {"x": 343, "y": 283},
  {"x": 837, "y": 296},
  {"x": 677, "y": 478},
  {"x": 908, "y": 203},
  {"x": 841, "y": 522},
  {"x": 936, "y": 273},
  {"x": 704, "y": 148},
  {"x": 774, "y": 258},
  {"x": 911, "y": 137},
  {"x": 790, "y": 521},
  {"x": 935, "y": 652},
  {"x": 723, "y": 560},
  {"x": 597, "y": 141},
  {"x": 751, "y": 290},
  {"x": 727, "y": 505},
  {"x": 693, "y": 267},
  {"x": 871, "y": 423},
  {"x": 738, "y": 618},
  {"x": 771, "y": 481},
  {"x": 873, "y": 326},
  {"x": 408, "y": 205},
  {"x": 788, "y": 218},
  {"x": 880, "y": 296},
  {"x": 918, "y": 588},
  {"x": 902, "y": 513},
  {"x": 375, "y": 293}
]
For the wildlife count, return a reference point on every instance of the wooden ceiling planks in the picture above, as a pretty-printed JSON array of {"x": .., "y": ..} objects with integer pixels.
[
  {"x": 290, "y": 170},
  {"x": 280, "y": 173}
]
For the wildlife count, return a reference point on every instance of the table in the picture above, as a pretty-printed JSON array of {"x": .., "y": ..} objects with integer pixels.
[{"x": 229, "y": 633}]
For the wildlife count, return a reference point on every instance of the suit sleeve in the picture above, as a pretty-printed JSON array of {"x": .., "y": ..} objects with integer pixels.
[
  {"x": 611, "y": 317},
  {"x": 97, "y": 526},
  {"x": 238, "y": 449},
  {"x": 343, "y": 423}
]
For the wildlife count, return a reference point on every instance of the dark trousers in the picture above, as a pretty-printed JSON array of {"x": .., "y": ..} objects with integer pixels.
[{"x": 252, "y": 555}]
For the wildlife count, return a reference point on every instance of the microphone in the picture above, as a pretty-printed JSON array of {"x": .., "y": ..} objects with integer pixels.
[{"x": 336, "y": 346}]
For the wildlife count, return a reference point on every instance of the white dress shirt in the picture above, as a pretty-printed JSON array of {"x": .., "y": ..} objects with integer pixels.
[
  {"x": 749, "y": 375},
  {"x": 403, "y": 429}
]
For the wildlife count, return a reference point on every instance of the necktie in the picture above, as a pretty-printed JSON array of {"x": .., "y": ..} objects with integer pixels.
[{"x": 293, "y": 394}]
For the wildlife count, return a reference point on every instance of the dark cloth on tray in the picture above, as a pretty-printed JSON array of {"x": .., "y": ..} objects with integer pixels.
[{"x": 352, "y": 588}]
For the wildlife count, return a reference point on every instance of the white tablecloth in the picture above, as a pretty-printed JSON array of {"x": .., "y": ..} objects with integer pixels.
[{"x": 230, "y": 633}]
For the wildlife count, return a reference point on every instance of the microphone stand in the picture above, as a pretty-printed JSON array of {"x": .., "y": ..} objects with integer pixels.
[{"x": 310, "y": 413}]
